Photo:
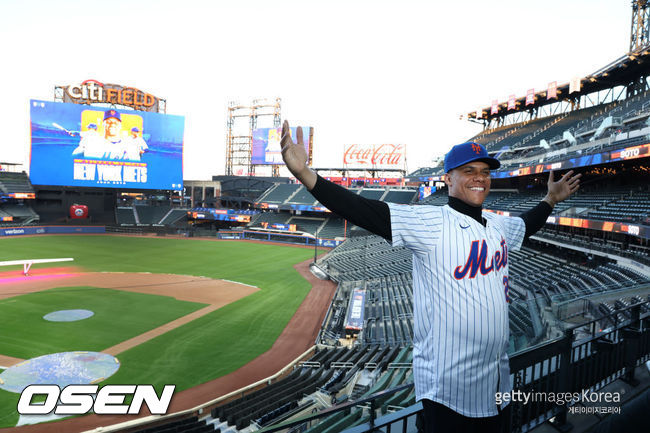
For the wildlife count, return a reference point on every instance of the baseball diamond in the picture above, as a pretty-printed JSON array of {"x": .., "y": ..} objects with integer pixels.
[{"x": 162, "y": 324}]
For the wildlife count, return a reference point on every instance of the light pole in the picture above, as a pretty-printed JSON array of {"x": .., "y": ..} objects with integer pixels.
[{"x": 316, "y": 246}]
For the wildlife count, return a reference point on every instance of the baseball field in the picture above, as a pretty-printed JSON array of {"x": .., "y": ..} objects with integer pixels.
[{"x": 172, "y": 311}]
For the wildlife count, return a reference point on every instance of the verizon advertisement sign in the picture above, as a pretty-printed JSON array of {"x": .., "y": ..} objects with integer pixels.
[{"x": 375, "y": 155}]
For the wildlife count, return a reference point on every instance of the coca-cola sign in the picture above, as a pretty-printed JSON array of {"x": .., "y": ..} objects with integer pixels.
[{"x": 375, "y": 155}]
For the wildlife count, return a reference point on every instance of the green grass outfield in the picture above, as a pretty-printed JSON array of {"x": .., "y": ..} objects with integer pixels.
[
  {"x": 204, "y": 349},
  {"x": 119, "y": 316}
]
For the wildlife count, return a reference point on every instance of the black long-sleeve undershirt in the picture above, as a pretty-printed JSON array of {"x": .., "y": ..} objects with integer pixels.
[{"x": 374, "y": 215}]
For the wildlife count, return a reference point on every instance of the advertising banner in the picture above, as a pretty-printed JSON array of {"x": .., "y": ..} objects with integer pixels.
[
  {"x": 575, "y": 85},
  {"x": 86, "y": 146},
  {"x": 633, "y": 152},
  {"x": 375, "y": 155},
  {"x": 217, "y": 216},
  {"x": 511, "y": 102},
  {"x": 45, "y": 230},
  {"x": 530, "y": 97},
  {"x": 266, "y": 144},
  {"x": 606, "y": 226},
  {"x": 495, "y": 107},
  {"x": 355, "y": 316},
  {"x": 284, "y": 227},
  {"x": 624, "y": 154},
  {"x": 551, "y": 93},
  {"x": 328, "y": 243},
  {"x": 639, "y": 230},
  {"x": 425, "y": 191}
]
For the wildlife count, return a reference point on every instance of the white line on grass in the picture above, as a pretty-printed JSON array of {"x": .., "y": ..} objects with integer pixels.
[{"x": 237, "y": 282}]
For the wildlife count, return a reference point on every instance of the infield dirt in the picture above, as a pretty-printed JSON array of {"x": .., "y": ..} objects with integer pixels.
[{"x": 298, "y": 336}]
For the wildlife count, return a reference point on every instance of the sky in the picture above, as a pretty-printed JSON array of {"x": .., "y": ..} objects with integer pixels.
[{"x": 359, "y": 72}]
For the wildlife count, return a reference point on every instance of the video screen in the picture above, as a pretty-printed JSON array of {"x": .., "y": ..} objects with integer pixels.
[
  {"x": 266, "y": 144},
  {"x": 88, "y": 146}
]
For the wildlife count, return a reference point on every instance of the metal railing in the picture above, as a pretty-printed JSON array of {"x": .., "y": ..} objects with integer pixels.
[
  {"x": 559, "y": 366},
  {"x": 344, "y": 407},
  {"x": 564, "y": 367}
]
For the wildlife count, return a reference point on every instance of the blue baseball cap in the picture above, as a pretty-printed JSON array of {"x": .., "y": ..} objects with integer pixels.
[
  {"x": 462, "y": 154},
  {"x": 112, "y": 113}
]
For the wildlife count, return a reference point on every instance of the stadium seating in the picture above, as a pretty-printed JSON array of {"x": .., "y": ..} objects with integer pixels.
[
  {"x": 633, "y": 208},
  {"x": 385, "y": 273},
  {"x": 328, "y": 372},
  {"x": 22, "y": 214},
  {"x": 125, "y": 216},
  {"x": 11, "y": 182},
  {"x": 173, "y": 216},
  {"x": 426, "y": 172},
  {"x": 302, "y": 196},
  {"x": 373, "y": 194},
  {"x": 187, "y": 425},
  {"x": 400, "y": 196},
  {"x": 151, "y": 214},
  {"x": 333, "y": 228},
  {"x": 516, "y": 137},
  {"x": 625, "y": 204},
  {"x": 270, "y": 218},
  {"x": 636, "y": 252},
  {"x": 279, "y": 193},
  {"x": 307, "y": 225}
]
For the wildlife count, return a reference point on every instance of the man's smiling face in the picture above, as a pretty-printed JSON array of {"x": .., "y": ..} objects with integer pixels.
[{"x": 470, "y": 182}]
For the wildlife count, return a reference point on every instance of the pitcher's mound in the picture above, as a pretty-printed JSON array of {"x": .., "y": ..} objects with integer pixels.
[{"x": 68, "y": 315}]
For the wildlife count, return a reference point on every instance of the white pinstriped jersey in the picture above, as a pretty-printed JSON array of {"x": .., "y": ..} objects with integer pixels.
[{"x": 460, "y": 313}]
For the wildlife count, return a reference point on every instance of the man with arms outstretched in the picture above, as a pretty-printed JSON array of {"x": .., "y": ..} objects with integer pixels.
[{"x": 460, "y": 279}]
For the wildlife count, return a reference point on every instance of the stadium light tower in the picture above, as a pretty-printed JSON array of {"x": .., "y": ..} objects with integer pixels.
[
  {"x": 639, "y": 40},
  {"x": 242, "y": 121},
  {"x": 640, "y": 35}
]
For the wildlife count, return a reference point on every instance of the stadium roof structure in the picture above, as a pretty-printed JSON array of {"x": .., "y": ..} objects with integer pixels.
[{"x": 629, "y": 70}]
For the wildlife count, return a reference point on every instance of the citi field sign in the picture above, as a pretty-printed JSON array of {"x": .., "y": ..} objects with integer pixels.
[
  {"x": 375, "y": 155},
  {"x": 93, "y": 91}
]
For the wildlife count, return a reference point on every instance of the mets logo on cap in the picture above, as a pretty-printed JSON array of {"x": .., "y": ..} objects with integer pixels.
[
  {"x": 112, "y": 113},
  {"x": 465, "y": 153}
]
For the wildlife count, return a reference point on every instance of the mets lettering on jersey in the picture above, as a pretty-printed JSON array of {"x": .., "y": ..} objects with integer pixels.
[
  {"x": 476, "y": 260},
  {"x": 460, "y": 275}
]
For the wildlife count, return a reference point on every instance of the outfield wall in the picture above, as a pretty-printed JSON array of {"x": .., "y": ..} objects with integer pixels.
[
  {"x": 278, "y": 237},
  {"x": 50, "y": 230}
]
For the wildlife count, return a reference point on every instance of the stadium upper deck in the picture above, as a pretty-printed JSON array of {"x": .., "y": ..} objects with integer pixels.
[{"x": 603, "y": 131}]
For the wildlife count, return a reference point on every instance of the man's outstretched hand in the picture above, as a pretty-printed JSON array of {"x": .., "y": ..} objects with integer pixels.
[
  {"x": 295, "y": 157},
  {"x": 563, "y": 188}
]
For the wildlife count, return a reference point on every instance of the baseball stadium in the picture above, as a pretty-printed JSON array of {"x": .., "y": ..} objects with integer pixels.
[{"x": 268, "y": 312}]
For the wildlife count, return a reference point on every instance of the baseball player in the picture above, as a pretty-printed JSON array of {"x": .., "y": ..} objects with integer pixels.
[
  {"x": 114, "y": 147},
  {"x": 113, "y": 126},
  {"x": 91, "y": 144},
  {"x": 135, "y": 146},
  {"x": 272, "y": 151},
  {"x": 460, "y": 279}
]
